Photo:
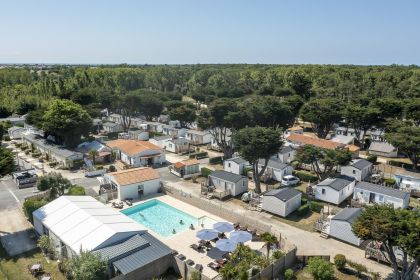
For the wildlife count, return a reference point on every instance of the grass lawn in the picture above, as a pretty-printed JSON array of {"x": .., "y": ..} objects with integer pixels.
[
  {"x": 306, "y": 222},
  {"x": 17, "y": 267},
  {"x": 304, "y": 274}
]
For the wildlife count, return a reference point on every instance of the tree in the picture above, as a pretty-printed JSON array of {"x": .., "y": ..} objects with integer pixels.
[
  {"x": 406, "y": 137},
  {"x": 320, "y": 268},
  {"x": 4, "y": 112},
  {"x": 255, "y": 144},
  {"x": 88, "y": 266},
  {"x": 390, "y": 107},
  {"x": 128, "y": 106},
  {"x": 361, "y": 118},
  {"x": 289, "y": 274},
  {"x": 55, "y": 182},
  {"x": 393, "y": 228},
  {"x": 324, "y": 162},
  {"x": 185, "y": 114},
  {"x": 412, "y": 110},
  {"x": 269, "y": 240},
  {"x": 35, "y": 117},
  {"x": 322, "y": 114},
  {"x": 93, "y": 154},
  {"x": 7, "y": 161},
  {"x": 67, "y": 121},
  {"x": 150, "y": 106},
  {"x": 222, "y": 119}
]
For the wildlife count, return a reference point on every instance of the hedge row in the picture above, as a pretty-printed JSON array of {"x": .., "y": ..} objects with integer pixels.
[
  {"x": 205, "y": 172},
  {"x": 216, "y": 160},
  {"x": 198, "y": 155},
  {"x": 316, "y": 206},
  {"x": 303, "y": 210},
  {"x": 76, "y": 190},
  {"x": 305, "y": 176},
  {"x": 31, "y": 205},
  {"x": 400, "y": 164}
]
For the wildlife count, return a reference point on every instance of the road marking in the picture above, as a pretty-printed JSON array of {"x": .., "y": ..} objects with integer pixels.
[{"x": 13, "y": 194}]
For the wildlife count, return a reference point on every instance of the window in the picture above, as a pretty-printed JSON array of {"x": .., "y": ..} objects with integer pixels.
[
  {"x": 229, "y": 164},
  {"x": 323, "y": 191},
  {"x": 354, "y": 171},
  {"x": 381, "y": 198}
]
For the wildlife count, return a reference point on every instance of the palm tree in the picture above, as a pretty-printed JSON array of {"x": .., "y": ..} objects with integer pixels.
[
  {"x": 93, "y": 154},
  {"x": 269, "y": 240},
  {"x": 228, "y": 271}
]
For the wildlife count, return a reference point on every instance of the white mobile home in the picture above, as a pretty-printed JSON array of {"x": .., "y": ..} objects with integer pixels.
[
  {"x": 285, "y": 155},
  {"x": 275, "y": 170},
  {"x": 161, "y": 141},
  {"x": 359, "y": 169},
  {"x": 235, "y": 165},
  {"x": 134, "y": 183},
  {"x": 232, "y": 183},
  {"x": 408, "y": 182},
  {"x": 180, "y": 145},
  {"x": 367, "y": 193},
  {"x": 383, "y": 149},
  {"x": 340, "y": 225},
  {"x": 198, "y": 137},
  {"x": 335, "y": 190},
  {"x": 186, "y": 168},
  {"x": 281, "y": 202},
  {"x": 110, "y": 127}
]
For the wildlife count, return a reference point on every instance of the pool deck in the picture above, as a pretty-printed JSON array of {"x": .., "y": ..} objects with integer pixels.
[{"x": 181, "y": 241}]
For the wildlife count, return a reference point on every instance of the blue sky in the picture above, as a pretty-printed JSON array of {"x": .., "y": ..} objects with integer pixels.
[{"x": 210, "y": 31}]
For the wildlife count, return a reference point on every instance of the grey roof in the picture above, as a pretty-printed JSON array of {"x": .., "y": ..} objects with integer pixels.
[
  {"x": 41, "y": 142},
  {"x": 337, "y": 183},
  {"x": 110, "y": 124},
  {"x": 284, "y": 194},
  {"x": 273, "y": 164},
  {"x": 286, "y": 150},
  {"x": 381, "y": 190},
  {"x": 145, "y": 255},
  {"x": 381, "y": 147},
  {"x": 361, "y": 164},
  {"x": 164, "y": 137},
  {"x": 198, "y": 132},
  {"x": 120, "y": 250},
  {"x": 237, "y": 160},
  {"x": 180, "y": 141},
  {"x": 348, "y": 214},
  {"x": 226, "y": 176}
]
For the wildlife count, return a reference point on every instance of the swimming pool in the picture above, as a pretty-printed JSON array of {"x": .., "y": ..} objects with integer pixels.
[{"x": 160, "y": 217}]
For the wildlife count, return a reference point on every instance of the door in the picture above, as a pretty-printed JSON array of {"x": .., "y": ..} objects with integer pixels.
[
  {"x": 371, "y": 197},
  {"x": 140, "y": 190}
]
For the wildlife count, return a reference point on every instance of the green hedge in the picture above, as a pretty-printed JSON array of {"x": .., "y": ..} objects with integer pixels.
[
  {"x": 316, "y": 206},
  {"x": 372, "y": 158},
  {"x": 31, "y": 205},
  {"x": 198, "y": 155},
  {"x": 303, "y": 210},
  {"x": 205, "y": 172},
  {"x": 400, "y": 164},
  {"x": 216, "y": 160},
  {"x": 389, "y": 182},
  {"x": 76, "y": 190},
  {"x": 306, "y": 176}
]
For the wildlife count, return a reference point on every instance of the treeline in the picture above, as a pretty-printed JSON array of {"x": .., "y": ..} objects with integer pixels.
[{"x": 22, "y": 89}]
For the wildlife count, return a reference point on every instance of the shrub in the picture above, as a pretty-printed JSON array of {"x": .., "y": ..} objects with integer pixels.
[
  {"x": 316, "y": 206},
  {"x": 306, "y": 176},
  {"x": 112, "y": 168},
  {"x": 304, "y": 200},
  {"x": 76, "y": 190},
  {"x": 277, "y": 254},
  {"x": 372, "y": 158},
  {"x": 6, "y": 138},
  {"x": 303, "y": 210},
  {"x": 194, "y": 178},
  {"x": 216, "y": 160},
  {"x": 99, "y": 167},
  {"x": 289, "y": 273},
  {"x": 53, "y": 164},
  {"x": 390, "y": 182},
  {"x": 400, "y": 164},
  {"x": 360, "y": 268},
  {"x": 340, "y": 261},
  {"x": 320, "y": 268},
  {"x": 30, "y": 205},
  {"x": 198, "y": 155},
  {"x": 246, "y": 170},
  {"x": 205, "y": 172},
  {"x": 44, "y": 242}
]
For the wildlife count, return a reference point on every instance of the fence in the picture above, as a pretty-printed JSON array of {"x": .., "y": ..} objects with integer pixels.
[
  {"x": 305, "y": 259},
  {"x": 186, "y": 271},
  {"x": 274, "y": 270}
]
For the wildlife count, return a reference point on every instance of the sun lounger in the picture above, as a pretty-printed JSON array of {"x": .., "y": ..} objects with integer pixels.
[
  {"x": 181, "y": 257},
  {"x": 190, "y": 262},
  {"x": 214, "y": 266},
  {"x": 197, "y": 247},
  {"x": 128, "y": 202}
]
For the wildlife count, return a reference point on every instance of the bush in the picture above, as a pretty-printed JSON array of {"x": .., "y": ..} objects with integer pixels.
[
  {"x": 44, "y": 243},
  {"x": 277, "y": 254},
  {"x": 320, "y": 268},
  {"x": 205, "y": 172},
  {"x": 216, "y": 160},
  {"x": 400, "y": 164},
  {"x": 246, "y": 170},
  {"x": 303, "y": 210},
  {"x": 99, "y": 167},
  {"x": 112, "y": 168},
  {"x": 53, "y": 164},
  {"x": 289, "y": 273},
  {"x": 389, "y": 182},
  {"x": 304, "y": 200},
  {"x": 76, "y": 190},
  {"x": 360, "y": 268},
  {"x": 340, "y": 261},
  {"x": 372, "y": 158},
  {"x": 316, "y": 206},
  {"x": 306, "y": 176},
  {"x": 31, "y": 205},
  {"x": 6, "y": 138}
]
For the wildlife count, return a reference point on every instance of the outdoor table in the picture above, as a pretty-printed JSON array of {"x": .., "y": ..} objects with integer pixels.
[{"x": 35, "y": 267}]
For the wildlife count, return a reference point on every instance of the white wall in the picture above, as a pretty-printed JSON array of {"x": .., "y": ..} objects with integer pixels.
[
  {"x": 131, "y": 191},
  {"x": 333, "y": 196},
  {"x": 381, "y": 199},
  {"x": 342, "y": 230},
  {"x": 293, "y": 204},
  {"x": 359, "y": 175},
  {"x": 273, "y": 205},
  {"x": 234, "y": 188},
  {"x": 233, "y": 167}
]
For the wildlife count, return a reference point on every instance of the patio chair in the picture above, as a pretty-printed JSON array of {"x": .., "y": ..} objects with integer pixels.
[
  {"x": 196, "y": 247},
  {"x": 236, "y": 225},
  {"x": 189, "y": 262},
  {"x": 181, "y": 257},
  {"x": 243, "y": 227}
]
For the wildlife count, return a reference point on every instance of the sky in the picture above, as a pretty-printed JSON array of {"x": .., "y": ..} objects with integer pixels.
[{"x": 364, "y": 32}]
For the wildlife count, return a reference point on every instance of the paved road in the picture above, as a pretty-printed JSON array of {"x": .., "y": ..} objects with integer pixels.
[{"x": 10, "y": 195}]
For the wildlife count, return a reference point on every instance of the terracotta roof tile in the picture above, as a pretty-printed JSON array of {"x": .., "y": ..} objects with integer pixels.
[
  {"x": 187, "y": 162},
  {"x": 134, "y": 175},
  {"x": 317, "y": 142},
  {"x": 132, "y": 147}
]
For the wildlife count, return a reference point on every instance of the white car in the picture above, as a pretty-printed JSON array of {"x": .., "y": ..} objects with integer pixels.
[{"x": 289, "y": 180}]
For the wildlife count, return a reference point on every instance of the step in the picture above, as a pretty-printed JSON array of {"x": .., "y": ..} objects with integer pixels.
[{"x": 324, "y": 235}]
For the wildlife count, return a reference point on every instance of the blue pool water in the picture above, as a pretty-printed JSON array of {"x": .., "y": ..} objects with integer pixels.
[{"x": 160, "y": 217}]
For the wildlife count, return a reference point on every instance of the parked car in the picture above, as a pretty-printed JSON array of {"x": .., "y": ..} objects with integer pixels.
[{"x": 289, "y": 180}]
